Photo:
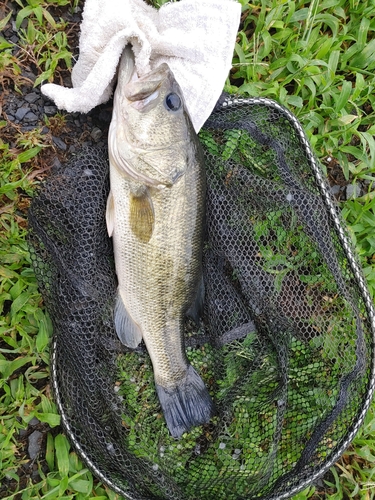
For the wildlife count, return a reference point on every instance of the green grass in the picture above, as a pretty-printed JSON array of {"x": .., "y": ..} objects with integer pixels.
[{"x": 316, "y": 58}]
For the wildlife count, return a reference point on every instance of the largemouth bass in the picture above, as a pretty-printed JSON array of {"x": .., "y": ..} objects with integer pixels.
[{"x": 155, "y": 215}]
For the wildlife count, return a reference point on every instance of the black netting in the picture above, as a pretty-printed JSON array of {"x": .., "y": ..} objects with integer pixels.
[{"x": 285, "y": 346}]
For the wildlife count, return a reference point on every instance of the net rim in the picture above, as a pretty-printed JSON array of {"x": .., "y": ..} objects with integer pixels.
[{"x": 233, "y": 102}]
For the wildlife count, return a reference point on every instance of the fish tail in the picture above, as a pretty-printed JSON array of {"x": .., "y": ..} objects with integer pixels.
[{"x": 186, "y": 405}]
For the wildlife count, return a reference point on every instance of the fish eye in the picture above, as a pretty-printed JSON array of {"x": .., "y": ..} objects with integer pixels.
[{"x": 173, "y": 102}]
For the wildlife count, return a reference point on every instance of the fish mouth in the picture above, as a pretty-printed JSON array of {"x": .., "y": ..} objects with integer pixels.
[{"x": 147, "y": 86}]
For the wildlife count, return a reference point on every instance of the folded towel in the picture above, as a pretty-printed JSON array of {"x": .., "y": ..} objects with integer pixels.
[{"x": 194, "y": 37}]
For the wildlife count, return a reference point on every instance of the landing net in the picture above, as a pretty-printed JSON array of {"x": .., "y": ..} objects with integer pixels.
[{"x": 286, "y": 345}]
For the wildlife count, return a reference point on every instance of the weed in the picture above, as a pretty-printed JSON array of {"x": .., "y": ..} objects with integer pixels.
[
  {"x": 46, "y": 47},
  {"x": 56, "y": 123},
  {"x": 39, "y": 10}
]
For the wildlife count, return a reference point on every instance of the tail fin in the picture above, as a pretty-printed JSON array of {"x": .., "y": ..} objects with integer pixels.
[{"x": 186, "y": 405}]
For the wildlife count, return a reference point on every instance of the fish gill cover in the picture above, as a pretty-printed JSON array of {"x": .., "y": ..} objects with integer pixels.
[{"x": 285, "y": 347}]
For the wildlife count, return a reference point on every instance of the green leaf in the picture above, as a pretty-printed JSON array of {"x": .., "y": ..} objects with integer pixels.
[
  {"x": 52, "y": 482},
  {"x": 330, "y": 21},
  {"x": 240, "y": 53},
  {"x": 267, "y": 47},
  {"x": 43, "y": 336},
  {"x": 362, "y": 32},
  {"x": 22, "y": 14},
  {"x": 31, "y": 32},
  {"x": 344, "y": 95},
  {"x": 360, "y": 84},
  {"x": 38, "y": 11},
  {"x": 8, "y": 368},
  {"x": 325, "y": 47},
  {"x": 27, "y": 155},
  {"x": 17, "y": 289},
  {"x": 295, "y": 100},
  {"x": 332, "y": 63},
  {"x": 46, "y": 75},
  {"x": 19, "y": 302},
  {"x": 346, "y": 119},
  {"x": 299, "y": 15},
  {"x": 52, "y": 419},
  {"x": 81, "y": 485},
  {"x": 49, "y": 18},
  {"x": 63, "y": 485},
  {"x": 62, "y": 455},
  {"x": 8, "y": 273},
  {"x": 232, "y": 137},
  {"x": 4, "y": 22},
  {"x": 365, "y": 57}
]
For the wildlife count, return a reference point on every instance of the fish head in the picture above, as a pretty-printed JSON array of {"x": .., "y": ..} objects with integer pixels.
[{"x": 154, "y": 133}]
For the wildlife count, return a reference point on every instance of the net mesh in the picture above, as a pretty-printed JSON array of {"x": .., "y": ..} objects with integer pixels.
[{"x": 285, "y": 346}]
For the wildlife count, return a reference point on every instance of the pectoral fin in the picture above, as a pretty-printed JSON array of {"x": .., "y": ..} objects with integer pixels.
[
  {"x": 142, "y": 216},
  {"x": 127, "y": 330},
  {"x": 110, "y": 214}
]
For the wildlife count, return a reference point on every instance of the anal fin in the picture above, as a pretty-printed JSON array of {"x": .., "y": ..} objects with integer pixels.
[
  {"x": 196, "y": 309},
  {"x": 127, "y": 330}
]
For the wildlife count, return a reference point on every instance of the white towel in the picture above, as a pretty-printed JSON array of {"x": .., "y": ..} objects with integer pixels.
[{"x": 194, "y": 37}]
